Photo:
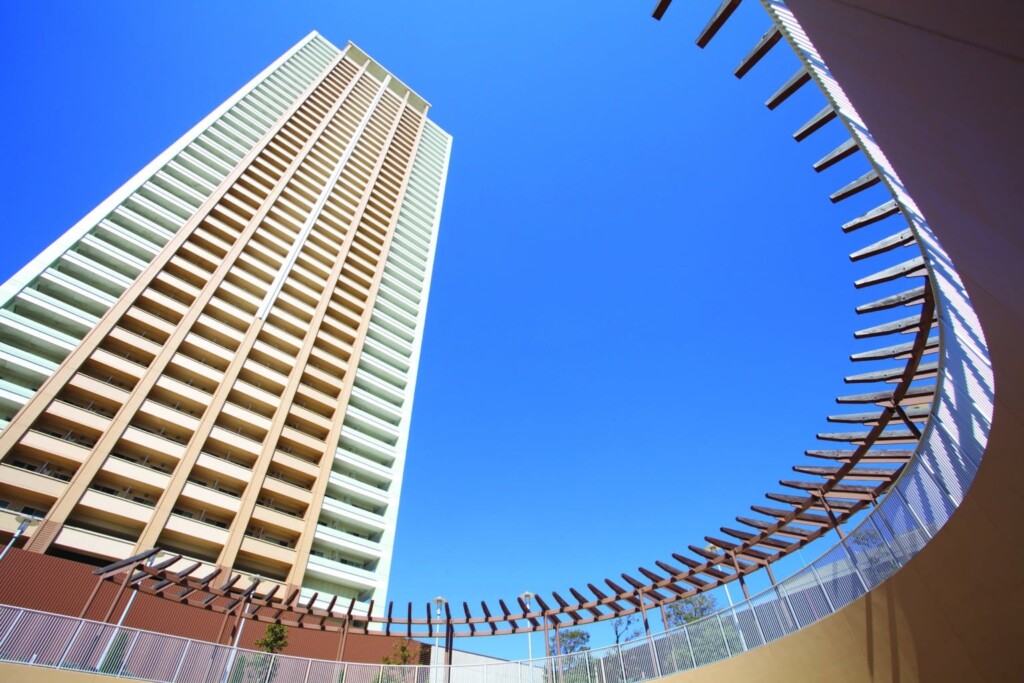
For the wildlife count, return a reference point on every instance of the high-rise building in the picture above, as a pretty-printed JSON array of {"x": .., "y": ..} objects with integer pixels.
[{"x": 220, "y": 359}]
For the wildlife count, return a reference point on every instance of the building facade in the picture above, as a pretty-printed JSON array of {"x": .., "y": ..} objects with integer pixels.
[{"x": 220, "y": 359}]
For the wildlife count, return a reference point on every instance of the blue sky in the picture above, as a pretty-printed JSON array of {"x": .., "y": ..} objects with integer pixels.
[{"x": 641, "y": 304}]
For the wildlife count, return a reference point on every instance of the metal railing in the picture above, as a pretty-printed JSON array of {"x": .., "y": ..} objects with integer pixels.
[{"x": 895, "y": 531}]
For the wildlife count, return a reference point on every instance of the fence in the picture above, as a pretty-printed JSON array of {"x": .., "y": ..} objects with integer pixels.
[{"x": 893, "y": 533}]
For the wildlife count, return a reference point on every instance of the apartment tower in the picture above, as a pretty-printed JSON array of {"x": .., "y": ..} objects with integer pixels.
[{"x": 220, "y": 359}]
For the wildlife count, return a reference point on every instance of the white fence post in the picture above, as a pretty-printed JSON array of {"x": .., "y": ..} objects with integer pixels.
[
  {"x": 689, "y": 644},
  {"x": 757, "y": 622},
  {"x": 127, "y": 654},
  {"x": 181, "y": 662},
  {"x": 821, "y": 585},
  {"x": 724, "y": 638},
  {"x": 10, "y": 628},
  {"x": 654, "y": 655},
  {"x": 67, "y": 648}
]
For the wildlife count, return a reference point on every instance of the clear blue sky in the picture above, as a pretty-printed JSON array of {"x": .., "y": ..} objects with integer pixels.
[{"x": 641, "y": 305}]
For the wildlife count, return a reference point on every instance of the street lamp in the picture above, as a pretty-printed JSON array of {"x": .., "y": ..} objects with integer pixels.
[
  {"x": 24, "y": 521},
  {"x": 438, "y": 602},
  {"x": 713, "y": 548},
  {"x": 527, "y": 597}
]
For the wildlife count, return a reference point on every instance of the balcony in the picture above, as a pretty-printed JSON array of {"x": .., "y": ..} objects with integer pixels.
[
  {"x": 386, "y": 337},
  {"x": 370, "y": 521},
  {"x": 191, "y": 366},
  {"x": 383, "y": 353},
  {"x": 375, "y": 406},
  {"x": 351, "y": 440},
  {"x": 296, "y": 464},
  {"x": 91, "y": 385},
  {"x": 186, "y": 392},
  {"x": 178, "y": 420},
  {"x": 238, "y": 415},
  {"x": 47, "y": 446},
  {"x": 305, "y": 414},
  {"x": 145, "y": 319},
  {"x": 216, "y": 326},
  {"x": 268, "y": 517},
  {"x": 355, "y": 545},
  {"x": 234, "y": 441},
  {"x": 270, "y": 376},
  {"x": 268, "y": 550},
  {"x": 373, "y": 470},
  {"x": 194, "y": 528},
  {"x": 396, "y": 313},
  {"x": 334, "y": 365},
  {"x": 152, "y": 444},
  {"x": 31, "y": 481},
  {"x": 105, "y": 506},
  {"x": 285, "y": 359},
  {"x": 207, "y": 496},
  {"x": 132, "y": 471},
  {"x": 339, "y": 572},
  {"x": 206, "y": 351},
  {"x": 358, "y": 489},
  {"x": 390, "y": 284},
  {"x": 371, "y": 426},
  {"x": 302, "y": 439},
  {"x": 79, "y": 418},
  {"x": 400, "y": 276},
  {"x": 93, "y": 544},
  {"x": 138, "y": 344},
  {"x": 284, "y": 489},
  {"x": 322, "y": 381},
  {"x": 224, "y": 468},
  {"x": 244, "y": 393}
]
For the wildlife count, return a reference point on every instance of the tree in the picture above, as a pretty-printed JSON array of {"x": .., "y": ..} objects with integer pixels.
[
  {"x": 624, "y": 628},
  {"x": 568, "y": 668},
  {"x": 711, "y": 647},
  {"x": 689, "y": 610},
  {"x": 274, "y": 639},
  {"x": 569, "y": 642},
  {"x": 400, "y": 654}
]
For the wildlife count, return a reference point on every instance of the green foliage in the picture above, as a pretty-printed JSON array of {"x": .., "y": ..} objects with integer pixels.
[
  {"x": 572, "y": 668},
  {"x": 568, "y": 642},
  {"x": 625, "y": 629},
  {"x": 712, "y": 646},
  {"x": 274, "y": 639},
  {"x": 689, "y": 610},
  {"x": 115, "y": 655},
  {"x": 400, "y": 654},
  {"x": 240, "y": 667}
]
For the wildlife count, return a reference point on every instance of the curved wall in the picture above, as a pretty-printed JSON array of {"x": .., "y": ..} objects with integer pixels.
[{"x": 938, "y": 86}]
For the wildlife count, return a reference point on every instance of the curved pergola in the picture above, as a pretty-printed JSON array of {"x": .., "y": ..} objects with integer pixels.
[{"x": 843, "y": 481}]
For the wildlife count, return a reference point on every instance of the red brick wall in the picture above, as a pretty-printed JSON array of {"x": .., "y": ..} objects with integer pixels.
[{"x": 53, "y": 584}]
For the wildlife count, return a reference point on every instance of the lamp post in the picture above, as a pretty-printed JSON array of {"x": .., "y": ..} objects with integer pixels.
[
  {"x": 527, "y": 597},
  {"x": 743, "y": 641},
  {"x": 728, "y": 595},
  {"x": 24, "y": 520},
  {"x": 438, "y": 602}
]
